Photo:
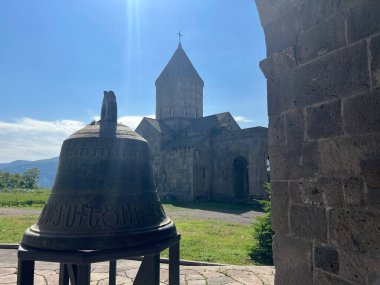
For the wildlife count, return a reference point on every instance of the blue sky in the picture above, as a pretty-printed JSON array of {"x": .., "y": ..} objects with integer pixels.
[{"x": 57, "y": 57}]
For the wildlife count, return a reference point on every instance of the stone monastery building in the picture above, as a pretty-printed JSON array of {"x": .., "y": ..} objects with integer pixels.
[{"x": 196, "y": 157}]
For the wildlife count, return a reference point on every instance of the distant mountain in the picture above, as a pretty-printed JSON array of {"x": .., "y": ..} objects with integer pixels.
[{"x": 47, "y": 167}]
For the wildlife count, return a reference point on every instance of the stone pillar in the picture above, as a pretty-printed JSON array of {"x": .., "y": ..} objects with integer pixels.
[{"x": 323, "y": 80}]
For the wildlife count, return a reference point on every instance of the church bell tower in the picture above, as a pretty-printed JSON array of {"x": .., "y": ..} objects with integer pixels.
[{"x": 179, "y": 88}]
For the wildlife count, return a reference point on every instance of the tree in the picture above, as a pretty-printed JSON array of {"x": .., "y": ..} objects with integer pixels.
[
  {"x": 29, "y": 179},
  {"x": 5, "y": 180},
  {"x": 261, "y": 252}
]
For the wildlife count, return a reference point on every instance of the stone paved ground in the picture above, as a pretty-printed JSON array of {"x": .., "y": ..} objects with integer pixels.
[{"x": 47, "y": 273}]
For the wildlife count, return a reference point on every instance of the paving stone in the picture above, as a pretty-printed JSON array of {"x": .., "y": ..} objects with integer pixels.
[
  {"x": 7, "y": 271},
  {"x": 9, "y": 279},
  {"x": 131, "y": 273},
  {"x": 267, "y": 279},
  {"x": 39, "y": 280},
  {"x": 99, "y": 276},
  {"x": 52, "y": 279},
  {"x": 194, "y": 277},
  {"x": 219, "y": 280},
  {"x": 197, "y": 282},
  {"x": 248, "y": 279},
  {"x": 266, "y": 270},
  {"x": 46, "y": 265},
  {"x": 212, "y": 274}
]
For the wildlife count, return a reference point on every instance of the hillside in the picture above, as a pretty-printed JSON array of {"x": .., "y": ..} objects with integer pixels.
[{"x": 47, "y": 167}]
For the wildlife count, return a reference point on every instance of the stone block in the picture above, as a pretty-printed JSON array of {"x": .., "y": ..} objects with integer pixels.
[
  {"x": 325, "y": 191},
  {"x": 335, "y": 75},
  {"x": 279, "y": 90},
  {"x": 355, "y": 229},
  {"x": 280, "y": 207},
  {"x": 323, "y": 278},
  {"x": 344, "y": 155},
  {"x": 276, "y": 130},
  {"x": 278, "y": 64},
  {"x": 314, "y": 12},
  {"x": 324, "y": 120},
  {"x": 375, "y": 61},
  {"x": 280, "y": 158},
  {"x": 310, "y": 194},
  {"x": 354, "y": 195},
  {"x": 370, "y": 169},
  {"x": 309, "y": 161},
  {"x": 293, "y": 161},
  {"x": 321, "y": 39},
  {"x": 295, "y": 126},
  {"x": 282, "y": 33},
  {"x": 295, "y": 192},
  {"x": 293, "y": 260},
  {"x": 272, "y": 10},
  {"x": 326, "y": 258},
  {"x": 309, "y": 222},
  {"x": 358, "y": 268},
  {"x": 362, "y": 114},
  {"x": 363, "y": 20},
  {"x": 332, "y": 191},
  {"x": 278, "y": 70},
  {"x": 373, "y": 197}
]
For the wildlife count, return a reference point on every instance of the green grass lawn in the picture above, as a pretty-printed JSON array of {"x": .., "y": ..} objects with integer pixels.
[
  {"x": 215, "y": 241},
  {"x": 202, "y": 240},
  {"x": 24, "y": 198},
  {"x": 12, "y": 227}
]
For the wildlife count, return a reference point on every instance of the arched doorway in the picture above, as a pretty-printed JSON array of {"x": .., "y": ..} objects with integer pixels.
[{"x": 240, "y": 177}]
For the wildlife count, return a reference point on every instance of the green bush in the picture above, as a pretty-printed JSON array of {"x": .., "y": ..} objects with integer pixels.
[{"x": 261, "y": 252}]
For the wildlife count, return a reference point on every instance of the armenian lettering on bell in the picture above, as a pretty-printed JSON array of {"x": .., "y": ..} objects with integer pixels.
[
  {"x": 104, "y": 194},
  {"x": 73, "y": 216}
]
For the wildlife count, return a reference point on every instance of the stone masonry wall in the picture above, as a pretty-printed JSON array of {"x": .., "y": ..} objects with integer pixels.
[
  {"x": 174, "y": 169},
  {"x": 323, "y": 80}
]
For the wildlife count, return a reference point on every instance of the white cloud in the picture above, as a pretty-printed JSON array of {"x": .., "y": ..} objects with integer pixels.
[
  {"x": 133, "y": 121},
  {"x": 30, "y": 139},
  {"x": 241, "y": 119}
]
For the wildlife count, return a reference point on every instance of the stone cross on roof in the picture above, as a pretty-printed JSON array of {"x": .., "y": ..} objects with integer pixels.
[{"x": 179, "y": 37}]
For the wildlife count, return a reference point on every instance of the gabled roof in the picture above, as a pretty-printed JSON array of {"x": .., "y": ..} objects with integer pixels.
[
  {"x": 159, "y": 126},
  {"x": 208, "y": 123},
  {"x": 179, "y": 67}
]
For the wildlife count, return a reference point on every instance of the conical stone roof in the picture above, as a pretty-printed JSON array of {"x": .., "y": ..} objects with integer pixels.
[{"x": 179, "y": 68}]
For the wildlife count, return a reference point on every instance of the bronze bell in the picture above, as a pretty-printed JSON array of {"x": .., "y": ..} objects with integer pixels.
[{"x": 103, "y": 195}]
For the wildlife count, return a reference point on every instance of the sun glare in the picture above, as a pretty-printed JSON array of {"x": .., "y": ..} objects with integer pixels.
[{"x": 133, "y": 34}]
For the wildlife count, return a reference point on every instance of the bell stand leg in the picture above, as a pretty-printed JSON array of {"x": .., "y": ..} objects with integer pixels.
[
  {"x": 63, "y": 274},
  {"x": 25, "y": 273},
  {"x": 174, "y": 264},
  {"x": 149, "y": 271},
  {"x": 112, "y": 273},
  {"x": 83, "y": 274},
  {"x": 77, "y": 274}
]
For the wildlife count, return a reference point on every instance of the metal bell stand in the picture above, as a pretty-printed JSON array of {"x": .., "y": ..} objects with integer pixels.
[{"x": 75, "y": 266}]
